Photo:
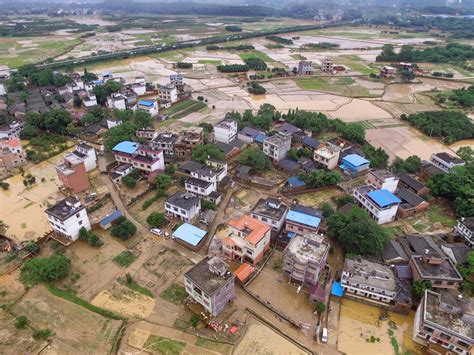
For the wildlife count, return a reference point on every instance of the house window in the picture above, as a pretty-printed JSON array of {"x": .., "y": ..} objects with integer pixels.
[
  {"x": 80, "y": 223},
  {"x": 77, "y": 215}
]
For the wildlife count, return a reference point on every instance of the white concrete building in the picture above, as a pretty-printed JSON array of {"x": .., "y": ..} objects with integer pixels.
[
  {"x": 446, "y": 161},
  {"x": 369, "y": 280},
  {"x": 87, "y": 154},
  {"x": 67, "y": 217},
  {"x": 168, "y": 93},
  {"x": 382, "y": 179},
  {"x": 117, "y": 101},
  {"x": 270, "y": 211},
  {"x": 177, "y": 79},
  {"x": 465, "y": 227},
  {"x": 327, "y": 65},
  {"x": 276, "y": 147},
  {"x": 381, "y": 205},
  {"x": 90, "y": 101},
  {"x": 183, "y": 206},
  {"x": 150, "y": 106},
  {"x": 225, "y": 131},
  {"x": 305, "y": 67},
  {"x": 139, "y": 89},
  {"x": 327, "y": 155}
]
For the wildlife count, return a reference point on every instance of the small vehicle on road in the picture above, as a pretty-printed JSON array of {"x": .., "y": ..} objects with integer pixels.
[
  {"x": 156, "y": 231},
  {"x": 324, "y": 336}
]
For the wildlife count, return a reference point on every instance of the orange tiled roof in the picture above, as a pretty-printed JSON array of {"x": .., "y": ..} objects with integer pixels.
[
  {"x": 229, "y": 241},
  {"x": 243, "y": 272},
  {"x": 257, "y": 229}
]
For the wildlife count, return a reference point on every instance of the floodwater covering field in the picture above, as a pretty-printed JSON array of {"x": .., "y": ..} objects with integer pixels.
[{"x": 361, "y": 332}]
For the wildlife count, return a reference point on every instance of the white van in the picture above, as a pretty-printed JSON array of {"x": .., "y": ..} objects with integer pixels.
[{"x": 324, "y": 336}]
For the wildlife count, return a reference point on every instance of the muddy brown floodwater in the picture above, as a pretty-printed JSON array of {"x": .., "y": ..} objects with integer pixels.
[{"x": 361, "y": 331}]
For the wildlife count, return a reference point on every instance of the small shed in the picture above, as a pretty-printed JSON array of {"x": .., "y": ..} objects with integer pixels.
[
  {"x": 108, "y": 220},
  {"x": 189, "y": 236},
  {"x": 243, "y": 272}
]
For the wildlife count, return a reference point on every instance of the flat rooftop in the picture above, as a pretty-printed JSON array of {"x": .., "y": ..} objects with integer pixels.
[
  {"x": 325, "y": 152},
  {"x": 65, "y": 208},
  {"x": 443, "y": 271},
  {"x": 277, "y": 140},
  {"x": 369, "y": 273},
  {"x": 210, "y": 275},
  {"x": 461, "y": 323},
  {"x": 267, "y": 208},
  {"x": 308, "y": 248}
]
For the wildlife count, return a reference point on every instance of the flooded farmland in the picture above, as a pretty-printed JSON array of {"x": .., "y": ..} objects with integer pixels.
[{"x": 361, "y": 332}]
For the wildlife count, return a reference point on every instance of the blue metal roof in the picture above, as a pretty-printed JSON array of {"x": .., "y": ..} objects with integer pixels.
[
  {"x": 383, "y": 197},
  {"x": 337, "y": 289},
  {"x": 110, "y": 218},
  {"x": 147, "y": 103},
  {"x": 189, "y": 234},
  {"x": 97, "y": 82},
  {"x": 303, "y": 218},
  {"x": 126, "y": 147},
  {"x": 260, "y": 138},
  {"x": 295, "y": 181},
  {"x": 355, "y": 160}
]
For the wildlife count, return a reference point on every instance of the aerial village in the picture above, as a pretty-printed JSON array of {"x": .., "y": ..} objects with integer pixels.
[{"x": 206, "y": 230}]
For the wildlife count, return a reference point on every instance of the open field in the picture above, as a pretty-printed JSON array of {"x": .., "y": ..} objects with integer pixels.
[{"x": 75, "y": 328}]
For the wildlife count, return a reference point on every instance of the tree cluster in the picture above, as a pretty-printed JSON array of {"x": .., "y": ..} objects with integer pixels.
[
  {"x": 377, "y": 156},
  {"x": 202, "y": 152},
  {"x": 233, "y": 28},
  {"x": 280, "y": 40},
  {"x": 256, "y": 63},
  {"x": 255, "y": 158},
  {"x": 46, "y": 269},
  {"x": 411, "y": 165},
  {"x": 321, "y": 178},
  {"x": 266, "y": 115},
  {"x": 450, "y": 126},
  {"x": 184, "y": 65},
  {"x": 233, "y": 68},
  {"x": 54, "y": 121},
  {"x": 123, "y": 228},
  {"x": 451, "y": 53},
  {"x": 256, "y": 89},
  {"x": 90, "y": 238},
  {"x": 463, "y": 97}
]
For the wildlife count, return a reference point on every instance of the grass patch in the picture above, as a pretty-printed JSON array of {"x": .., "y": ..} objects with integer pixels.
[
  {"x": 137, "y": 288},
  {"x": 79, "y": 301},
  {"x": 175, "y": 294},
  {"x": 184, "y": 108},
  {"x": 420, "y": 227},
  {"x": 394, "y": 232},
  {"x": 436, "y": 214},
  {"x": 209, "y": 61},
  {"x": 43, "y": 147},
  {"x": 181, "y": 324},
  {"x": 125, "y": 258},
  {"x": 256, "y": 54},
  {"x": 179, "y": 106},
  {"x": 165, "y": 346},
  {"x": 342, "y": 86},
  {"x": 214, "y": 345}
]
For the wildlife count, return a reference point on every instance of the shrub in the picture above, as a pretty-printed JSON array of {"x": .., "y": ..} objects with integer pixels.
[
  {"x": 123, "y": 229},
  {"x": 42, "y": 334},
  {"x": 45, "y": 269},
  {"x": 156, "y": 219},
  {"x": 21, "y": 322}
]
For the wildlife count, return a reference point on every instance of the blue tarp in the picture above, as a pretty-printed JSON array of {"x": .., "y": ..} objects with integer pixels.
[
  {"x": 126, "y": 147},
  {"x": 337, "y": 289},
  {"x": 189, "y": 234},
  {"x": 303, "y": 218},
  {"x": 146, "y": 103},
  {"x": 110, "y": 218},
  {"x": 295, "y": 181},
  {"x": 383, "y": 197},
  {"x": 260, "y": 138}
]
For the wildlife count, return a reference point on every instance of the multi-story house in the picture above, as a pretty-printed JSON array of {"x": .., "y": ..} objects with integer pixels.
[
  {"x": 225, "y": 131},
  {"x": 147, "y": 133},
  {"x": 446, "y": 161},
  {"x": 211, "y": 284},
  {"x": 165, "y": 142},
  {"x": 270, "y": 211},
  {"x": 139, "y": 89},
  {"x": 465, "y": 227},
  {"x": 382, "y": 179},
  {"x": 219, "y": 166},
  {"x": 429, "y": 263},
  {"x": 183, "y": 206},
  {"x": 167, "y": 93},
  {"x": 327, "y": 65},
  {"x": 72, "y": 173},
  {"x": 87, "y": 153},
  {"x": 11, "y": 130},
  {"x": 248, "y": 241},
  {"x": 117, "y": 101},
  {"x": 305, "y": 67},
  {"x": 11, "y": 153},
  {"x": 187, "y": 140},
  {"x": 327, "y": 155},
  {"x": 177, "y": 79},
  {"x": 150, "y": 106},
  {"x": 381, "y": 205},
  {"x": 67, "y": 217},
  {"x": 302, "y": 220},
  {"x": 144, "y": 158},
  {"x": 444, "y": 323},
  {"x": 201, "y": 188},
  {"x": 370, "y": 280},
  {"x": 304, "y": 259},
  {"x": 387, "y": 72},
  {"x": 276, "y": 147},
  {"x": 120, "y": 172},
  {"x": 89, "y": 100}
]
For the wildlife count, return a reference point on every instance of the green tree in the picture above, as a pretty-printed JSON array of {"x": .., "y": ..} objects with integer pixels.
[
  {"x": 42, "y": 334},
  {"x": 162, "y": 181},
  {"x": 123, "y": 229},
  {"x": 255, "y": 158},
  {"x": 377, "y": 156},
  {"x": 103, "y": 91},
  {"x": 466, "y": 153},
  {"x": 56, "y": 121},
  {"x": 418, "y": 289},
  {"x": 208, "y": 205},
  {"x": 46, "y": 269},
  {"x": 321, "y": 178},
  {"x": 320, "y": 307},
  {"x": 89, "y": 76},
  {"x": 354, "y": 132},
  {"x": 327, "y": 210},
  {"x": 120, "y": 133},
  {"x": 412, "y": 165},
  {"x": 357, "y": 232},
  {"x": 143, "y": 119},
  {"x": 202, "y": 152},
  {"x": 156, "y": 219},
  {"x": 292, "y": 154},
  {"x": 24, "y": 96},
  {"x": 129, "y": 181}
]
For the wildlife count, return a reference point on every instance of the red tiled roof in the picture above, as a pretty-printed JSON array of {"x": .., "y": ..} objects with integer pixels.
[{"x": 257, "y": 229}]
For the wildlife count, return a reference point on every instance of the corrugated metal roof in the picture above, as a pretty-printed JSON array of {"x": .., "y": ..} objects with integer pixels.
[
  {"x": 355, "y": 160},
  {"x": 383, "y": 197},
  {"x": 146, "y": 103},
  {"x": 110, "y": 218},
  {"x": 126, "y": 147},
  {"x": 295, "y": 181},
  {"x": 189, "y": 234},
  {"x": 303, "y": 218}
]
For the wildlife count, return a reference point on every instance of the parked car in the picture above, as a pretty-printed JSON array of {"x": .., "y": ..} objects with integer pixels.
[
  {"x": 156, "y": 231},
  {"x": 167, "y": 235},
  {"x": 324, "y": 336}
]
